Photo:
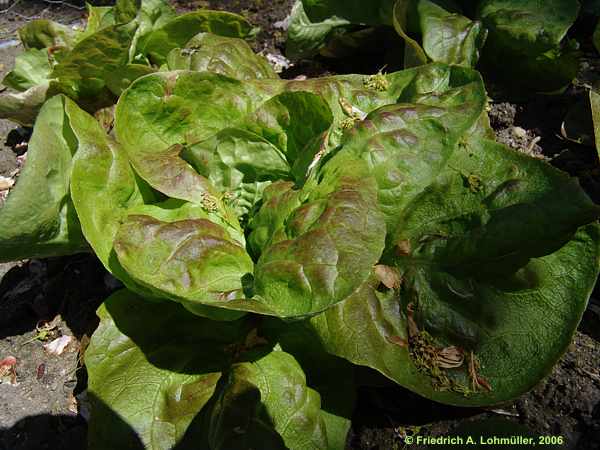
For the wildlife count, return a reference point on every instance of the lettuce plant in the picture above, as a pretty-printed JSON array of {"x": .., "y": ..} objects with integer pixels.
[
  {"x": 529, "y": 34},
  {"x": 272, "y": 235},
  {"x": 93, "y": 66}
]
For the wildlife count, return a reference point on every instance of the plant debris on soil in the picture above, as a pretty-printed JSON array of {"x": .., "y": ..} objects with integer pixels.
[{"x": 47, "y": 307}]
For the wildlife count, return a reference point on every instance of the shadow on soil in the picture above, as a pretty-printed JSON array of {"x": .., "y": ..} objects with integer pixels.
[
  {"x": 45, "y": 432},
  {"x": 38, "y": 290},
  {"x": 63, "y": 432}
]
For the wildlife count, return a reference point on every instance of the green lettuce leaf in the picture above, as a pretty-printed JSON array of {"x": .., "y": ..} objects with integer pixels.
[
  {"x": 320, "y": 252},
  {"x": 211, "y": 133},
  {"x": 38, "y": 218},
  {"x": 407, "y": 144},
  {"x": 512, "y": 343},
  {"x": 42, "y": 33},
  {"x": 153, "y": 14},
  {"x": 222, "y": 136},
  {"x": 178, "y": 31},
  {"x": 227, "y": 56},
  {"x": 98, "y": 17},
  {"x": 485, "y": 257},
  {"x": 531, "y": 36},
  {"x": 306, "y": 38},
  {"x": 449, "y": 37},
  {"x": 32, "y": 68},
  {"x": 103, "y": 186},
  {"x": 126, "y": 10},
  {"x": 23, "y": 107},
  {"x": 333, "y": 238},
  {"x": 282, "y": 127},
  {"x": 105, "y": 190},
  {"x": 82, "y": 73},
  {"x": 205, "y": 384}
]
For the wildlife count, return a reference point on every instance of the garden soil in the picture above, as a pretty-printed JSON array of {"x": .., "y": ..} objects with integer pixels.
[{"x": 44, "y": 407}]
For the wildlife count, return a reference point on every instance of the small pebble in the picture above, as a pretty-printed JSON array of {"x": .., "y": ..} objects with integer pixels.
[
  {"x": 41, "y": 370},
  {"x": 6, "y": 183},
  {"x": 519, "y": 132}
]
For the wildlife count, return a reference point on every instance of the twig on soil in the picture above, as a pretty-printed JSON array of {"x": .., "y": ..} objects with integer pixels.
[
  {"x": 34, "y": 17},
  {"x": 39, "y": 15},
  {"x": 532, "y": 144},
  {"x": 504, "y": 412},
  {"x": 592, "y": 375},
  {"x": 63, "y": 3},
  {"x": 4, "y": 11}
]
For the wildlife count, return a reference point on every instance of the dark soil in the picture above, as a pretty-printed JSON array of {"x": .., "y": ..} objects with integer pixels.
[{"x": 46, "y": 409}]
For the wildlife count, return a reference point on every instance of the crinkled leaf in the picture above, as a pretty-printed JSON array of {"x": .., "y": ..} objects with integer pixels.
[
  {"x": 178, "y": 110},
  {"x": 126, "y": 10},
  {"x": 235, "y": 156},
  {"x": 279, "y": 200},
  {"x": 123, "y": 76},
  {"x": 32, "y": 68},
  {"x": 204, "y": 384},
  {"x": 227, "y": 56},
  {"x": 105, "y": 191},
  {"x": 305, "y": 38},
  {"x": 488, "y": 259},
  {"x": 41, "y": 33},
  {"x": 247, "y": 196},
  {"x": 166, "y": 106},
  {"x": 194, "y": 259},
  {"x": 528, "y": 26},
  {"x": 290, "y": 121},
  {"x": 530, "y": 34},
  {"x": 276, "y": 141},
  {"x": 178, "y": 31},
  {"x": 153, "y": 14},
  {"x": 98, "y": 17},
  {"x": 510, "y": 318},
  {"x": 407, "y": 144},
  {"x": 449, "y": 37},
  {"x": 82, "y": 73},
  {"x": 324, "y": 248},
  {"x": 38, "y": 218},
  {"x": 103, "y": 186},
  {"x": 288, "y": 407},
  {"x": 218, "y": 126},
  {"x": 337, "y": 392},
  {"x": 327, "y": 248}
]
